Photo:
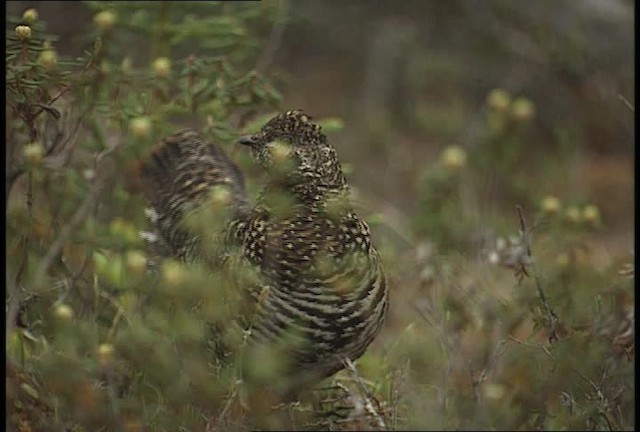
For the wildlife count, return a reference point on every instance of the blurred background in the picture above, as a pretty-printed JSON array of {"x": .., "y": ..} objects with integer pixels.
[
  {"x": 410, "y": 79},
  {"x": 446, "y": 116}
]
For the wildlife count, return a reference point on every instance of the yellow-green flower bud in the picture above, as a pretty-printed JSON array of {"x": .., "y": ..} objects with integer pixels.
[
  {"x": 161, "y": 67},
  {"x": 48, "y": 59},
  {"x": 140, "y": 127},
  {"x": 105, "y": 354},
  {"x": 591, "y": 215},
  {"x": 23, "y": 32},
  {"x": 550, "y": 205},
  {"x": 63, "y": 312},
  {"x": 173, "y": 273},
  {"x": 454, "y": 158},
  {"x": 33, "y": 153},
  {"x": 104, "y": 20},
  {"x": 522, "y": 109},
  {"x": 30, "y": 16},
  {"x": 499, "y": 99}
]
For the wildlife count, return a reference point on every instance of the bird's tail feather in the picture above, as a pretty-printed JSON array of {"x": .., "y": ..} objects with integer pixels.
[{"x": 180, "y": 172}]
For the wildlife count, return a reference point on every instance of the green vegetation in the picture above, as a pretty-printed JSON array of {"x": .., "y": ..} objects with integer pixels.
[{"x": 501, "y": 318}]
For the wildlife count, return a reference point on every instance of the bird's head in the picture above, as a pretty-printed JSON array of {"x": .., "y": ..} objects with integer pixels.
[{"x": 294, "y": 148}]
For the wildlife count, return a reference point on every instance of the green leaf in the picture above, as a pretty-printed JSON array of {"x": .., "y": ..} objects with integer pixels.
[
  {"x": 255, "y": 125},
  {"x": 331, "y": 124}
]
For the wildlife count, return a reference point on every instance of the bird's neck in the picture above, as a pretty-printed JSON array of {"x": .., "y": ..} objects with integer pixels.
[{"x": 318, "y": 198}]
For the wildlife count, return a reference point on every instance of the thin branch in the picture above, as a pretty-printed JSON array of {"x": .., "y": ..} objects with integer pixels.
[
  {"x": 54, "y": 250},
  {"x": 447, "y": 349},
  {"x": 540, "y": 347},
  {"x": 551, "y": 314},
  {"x": 626, "y": 102},
  {"x": 365, "y": 392},
  {"x": 227, "y": 406},
  {"x": 61, "y": 93},
  {"x": 80, "y": 215},
  {"x": 275, "y": 38},
  {"x": 602, "y": 402}
]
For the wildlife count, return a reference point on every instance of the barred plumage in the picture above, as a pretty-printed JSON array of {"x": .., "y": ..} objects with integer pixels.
[
  {"x": 322, "y": 295},
  {"x": 180, "y": 173}
]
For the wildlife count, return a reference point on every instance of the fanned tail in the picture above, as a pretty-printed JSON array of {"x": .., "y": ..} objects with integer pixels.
[{"x": 180, "y": 173}]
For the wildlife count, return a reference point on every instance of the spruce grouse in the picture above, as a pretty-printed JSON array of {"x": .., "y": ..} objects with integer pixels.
[{"x": 321, "y": 295}]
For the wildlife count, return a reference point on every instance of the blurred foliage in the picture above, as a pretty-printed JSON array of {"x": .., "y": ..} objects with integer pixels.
[
  {"x": 108, "y": 344},
  {"x": 492, "y": 326}
]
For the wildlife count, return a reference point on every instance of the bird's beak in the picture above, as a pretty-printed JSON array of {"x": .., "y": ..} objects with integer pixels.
[{"x": 247, "y": 140}]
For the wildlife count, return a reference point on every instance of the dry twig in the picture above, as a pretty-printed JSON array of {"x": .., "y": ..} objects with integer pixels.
[
  {"x": 368, "y": 406},
  {"x": 551, "y": 314}
]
